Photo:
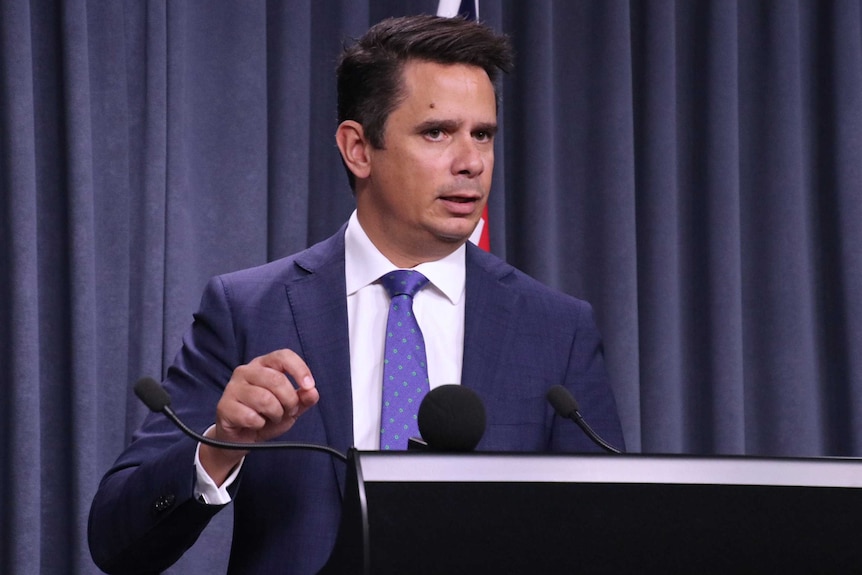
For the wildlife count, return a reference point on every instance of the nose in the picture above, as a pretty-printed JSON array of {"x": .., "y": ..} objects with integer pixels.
[{"x": 469, "y": 159}]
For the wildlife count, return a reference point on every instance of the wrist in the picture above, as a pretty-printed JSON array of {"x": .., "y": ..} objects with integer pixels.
[{"x": 218, "y": 463}]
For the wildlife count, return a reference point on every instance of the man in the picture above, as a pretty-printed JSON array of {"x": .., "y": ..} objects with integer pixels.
[{"x": 294, "y": 349}]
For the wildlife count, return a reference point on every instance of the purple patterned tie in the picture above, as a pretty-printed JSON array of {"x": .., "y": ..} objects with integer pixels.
[{"x": 405, "y": 373}]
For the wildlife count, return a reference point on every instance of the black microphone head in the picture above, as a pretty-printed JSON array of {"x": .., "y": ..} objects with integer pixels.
[
  {"x": 152, "y": 394},
  {"x": 563, "y": 401},
  {"x": 452, "y": 418}
]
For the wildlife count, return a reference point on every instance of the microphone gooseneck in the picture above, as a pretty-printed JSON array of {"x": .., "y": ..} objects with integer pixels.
[
  {"x": 451, "y": 418},
  {"x": 157, "y": 399},
  {"x": 565, "y": 404}
]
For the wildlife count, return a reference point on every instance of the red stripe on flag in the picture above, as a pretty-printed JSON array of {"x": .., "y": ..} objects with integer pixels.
[{"x": 485, "y": 238}]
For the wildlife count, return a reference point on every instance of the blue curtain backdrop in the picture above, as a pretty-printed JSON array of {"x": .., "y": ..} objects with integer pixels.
[{"x": 692, "y": 168}]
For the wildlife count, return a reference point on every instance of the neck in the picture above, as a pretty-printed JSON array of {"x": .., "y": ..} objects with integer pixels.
[{"x": 407, "y": 253}]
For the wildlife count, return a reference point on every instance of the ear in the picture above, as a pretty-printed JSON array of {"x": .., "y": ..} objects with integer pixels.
[{"x": 350, "y": 138}]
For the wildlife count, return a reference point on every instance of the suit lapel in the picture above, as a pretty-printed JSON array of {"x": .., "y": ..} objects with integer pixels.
[
  {"x": 318, "y": 303},
  {"x": 488, "y": 319}
]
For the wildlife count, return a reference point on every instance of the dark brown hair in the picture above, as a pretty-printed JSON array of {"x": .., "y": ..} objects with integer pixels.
[{"x": 369, "y": 72}]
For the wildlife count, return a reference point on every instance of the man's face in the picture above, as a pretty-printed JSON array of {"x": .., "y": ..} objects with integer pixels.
[{"x": 426, "y": 189}]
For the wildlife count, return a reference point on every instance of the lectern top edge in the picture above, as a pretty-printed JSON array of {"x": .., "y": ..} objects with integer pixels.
[{"x": 606, "y": 468}]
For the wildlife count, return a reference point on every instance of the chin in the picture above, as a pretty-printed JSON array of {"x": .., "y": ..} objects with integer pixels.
[
  {"x": 454, "y": 230},
  {"x": 455, "y": 236}
]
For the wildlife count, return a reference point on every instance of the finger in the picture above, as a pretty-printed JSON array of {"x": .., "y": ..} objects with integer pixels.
[
  {"x": 270, "y": 401},
  {"x": 263, "y": 389},
  {"x": 307, "y": 398},
  {"x": 289, "y": 362},
  {"x": 260, "y": 397},
  {"x": 239, "y": 417}
]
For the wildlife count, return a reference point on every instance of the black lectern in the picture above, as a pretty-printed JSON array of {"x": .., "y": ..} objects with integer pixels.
[{"x": 416, "y": 513}]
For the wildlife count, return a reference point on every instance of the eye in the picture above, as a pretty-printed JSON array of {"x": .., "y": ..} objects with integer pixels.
[
  {"x": 434, "y": 133},
  {"x": 484, "y": 135}
]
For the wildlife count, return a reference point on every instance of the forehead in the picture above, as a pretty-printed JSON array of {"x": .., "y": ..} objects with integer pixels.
[{"x": 434, "y": 87}]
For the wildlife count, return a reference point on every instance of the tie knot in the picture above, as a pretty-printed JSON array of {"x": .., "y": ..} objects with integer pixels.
[{"x": 403, "y": 282}]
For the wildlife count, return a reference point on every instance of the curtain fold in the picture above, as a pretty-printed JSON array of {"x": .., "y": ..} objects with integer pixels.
[
  {"x": 691, "y": 168},
  {"x": 19, "y": 486}
]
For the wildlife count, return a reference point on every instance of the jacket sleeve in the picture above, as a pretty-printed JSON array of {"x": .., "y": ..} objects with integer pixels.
[
  {"x": 587, "y": 380},
  {"x": 144, "y": 515}
]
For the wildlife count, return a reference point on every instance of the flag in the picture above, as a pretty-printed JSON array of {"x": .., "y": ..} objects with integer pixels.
[
  {"x": 468, "y": 9},
  {"x": 451, "y": 8}
]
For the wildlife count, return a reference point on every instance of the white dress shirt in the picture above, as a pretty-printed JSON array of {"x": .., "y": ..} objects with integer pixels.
[{"x": 439, "y": 310}]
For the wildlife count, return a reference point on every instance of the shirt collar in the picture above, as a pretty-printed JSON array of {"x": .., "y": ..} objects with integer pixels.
[{"x": 364, "y": 264}]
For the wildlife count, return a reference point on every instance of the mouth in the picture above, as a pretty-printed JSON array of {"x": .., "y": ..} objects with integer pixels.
[
  {"x": 461, "y": 204},
  {"x": 460, "y": 199}
]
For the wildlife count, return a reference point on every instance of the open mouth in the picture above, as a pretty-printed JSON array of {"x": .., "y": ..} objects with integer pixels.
[{"x": 460, "y": 205}]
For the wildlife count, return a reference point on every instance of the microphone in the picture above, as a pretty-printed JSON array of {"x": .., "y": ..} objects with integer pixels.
[
  {"x": 158, "y": 400},
  {"x": 451, "y": 418},
  {"x": 566, "y": 406}
]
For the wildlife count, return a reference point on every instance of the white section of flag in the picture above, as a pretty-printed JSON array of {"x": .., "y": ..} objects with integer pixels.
[
  {"x": 477, "y": 233},
  {"x": 448, "y": 8}
]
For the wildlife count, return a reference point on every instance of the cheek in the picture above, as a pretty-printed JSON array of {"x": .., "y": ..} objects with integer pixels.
[
  {"x": 423, "y": 172},
  {"x": 489, "y": 161},
  {"x": 488, "y": 172}
]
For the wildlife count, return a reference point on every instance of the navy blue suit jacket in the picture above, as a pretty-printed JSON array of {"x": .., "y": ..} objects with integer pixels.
[{"x": 521, "y": 338}]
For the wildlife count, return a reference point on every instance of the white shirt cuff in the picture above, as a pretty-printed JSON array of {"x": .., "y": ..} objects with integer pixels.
[{"x": 206, "y": 491}]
